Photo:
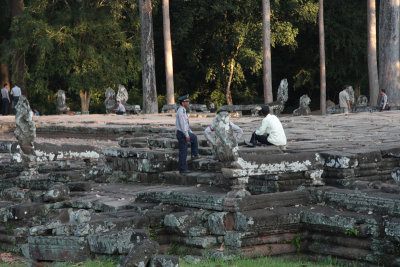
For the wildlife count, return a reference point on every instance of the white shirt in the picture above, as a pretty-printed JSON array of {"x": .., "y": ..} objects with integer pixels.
[
  {"x": 272, "y": 126},
  {"x": 182, "y": 121},
  {"x": 16, "y": 91},
  {"x": 121, "y": 108},
  {"x": 343, "y": 98}
]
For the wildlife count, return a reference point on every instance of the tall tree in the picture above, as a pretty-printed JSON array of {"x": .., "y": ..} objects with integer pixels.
[
  {"x": 322, "y": 58},
  {"x": 372, "y": 61},
  {"x": 18, "y": 61},
  {"x": 5, "y": 21},
  {"x": 389, "y": 49},
  {"x": 150, "y": 102},
  {"x": 267, "y": 71},
  {"x": 169, "y": 70}
]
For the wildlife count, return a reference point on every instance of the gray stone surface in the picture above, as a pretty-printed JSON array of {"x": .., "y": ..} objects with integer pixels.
[
  {"x": 304, "y": 108},
  {"x": 164, "y": 261},
  {"x": 141, "y": 254},
  {"x": 226, "y": 148},
  {"x": 122, "y": 94},
  {"x": 25, "y": 131},
  {"x": 58, "y": 192},
  {"x": 61, "y": 106},
  {"x": 110, "y": 100},
  {"x": 362, "y": 101}
]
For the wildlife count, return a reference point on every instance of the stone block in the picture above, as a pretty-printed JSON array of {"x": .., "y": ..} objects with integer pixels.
[
  {"x": 220, "y": 222},
  {"x": 141, "y": 254},
  {"x": 58, "y": 248},
  {"x": 116, "y": 242},
  {"x": 164, "y": 261},
  {"x": 57, "y": 192}
]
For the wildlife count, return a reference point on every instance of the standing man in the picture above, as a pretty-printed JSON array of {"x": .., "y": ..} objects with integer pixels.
[
  {"x": 270, "y": 132},
  {"x": 16, "y": 93},
  {"x": 384, "y": 101},
  {"x": 184, "y": 134},
  {"x": 212, "y": 107},
  {"x": 5, "y": 100},
  {"x": 344, "y": 100}
]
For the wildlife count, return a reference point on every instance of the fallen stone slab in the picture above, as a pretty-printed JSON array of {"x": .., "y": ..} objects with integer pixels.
[
  {"x": 141, "y": 254},
  {"x": 58, "y": 248}
]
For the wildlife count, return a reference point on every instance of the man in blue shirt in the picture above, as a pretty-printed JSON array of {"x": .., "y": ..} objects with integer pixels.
[
  {"x": 184, "y": 134},
  {"x": 384, "y": 101}
]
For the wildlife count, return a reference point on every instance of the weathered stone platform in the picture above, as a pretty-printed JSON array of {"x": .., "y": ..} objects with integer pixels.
[{"x": 331, "y": 191}]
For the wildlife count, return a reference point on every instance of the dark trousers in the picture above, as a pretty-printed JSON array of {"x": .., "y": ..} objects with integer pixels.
[
  {"x": 119, "y": 112},
  {"x": 263, "y": 139},
  {"x": 183, "y": 145},
  {"x": 4, "y": 107},
  {"x": 15, "y": 99}
]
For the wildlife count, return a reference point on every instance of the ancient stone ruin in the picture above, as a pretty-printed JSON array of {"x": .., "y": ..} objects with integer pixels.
[
  {"x": 110, "y": 101},
  {"x": 362, "y": 101},
  {"x": 109, "y": 185},
  {"x": 122, "y": 96},
  {"x": 282, "y": 96},
  {"x": 304, "y": 108},
  {"x": 61, "y": 106}
]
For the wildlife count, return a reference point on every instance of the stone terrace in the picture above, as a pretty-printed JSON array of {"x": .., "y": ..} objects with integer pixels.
[{"x": 330, "y": 191}]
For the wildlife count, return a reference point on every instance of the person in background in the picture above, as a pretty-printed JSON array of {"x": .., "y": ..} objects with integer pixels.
[
  {"x": 384, "y": 101},
  {"x": 344, "y": 100},
  {"x": 212, "y": 107},
  {"x": 184, "y": 135},
  {"x": 5, "y": 99},
  {"x": 36, "y": 112},
  {"x": 120, "y": 109},
  {"x": 16, "y": 93},
  {"x": 270, "y": 132}
]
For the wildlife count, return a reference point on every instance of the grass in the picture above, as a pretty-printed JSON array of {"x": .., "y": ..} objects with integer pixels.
[{"x": 264, "y": 262}]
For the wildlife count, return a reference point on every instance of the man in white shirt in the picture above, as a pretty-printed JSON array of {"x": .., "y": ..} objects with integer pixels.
[
  {"x": 344, "y": 100},
  {"x": 184, "y": 135},
  {"x": 270, "y": 132},
  {"x": 120, "y": 109},
  {"x": 5, "y": 100},
  {"x": 16, "y": 93}
]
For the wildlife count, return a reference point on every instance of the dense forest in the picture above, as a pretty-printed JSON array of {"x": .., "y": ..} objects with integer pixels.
[{"x": 76, "y": 45}]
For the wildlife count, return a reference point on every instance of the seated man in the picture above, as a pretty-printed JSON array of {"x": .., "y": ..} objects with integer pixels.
[
  {"x": 236, "y": 129},
  {"x": 272, "y": 127},
  {"x": 120, "y": 109}
]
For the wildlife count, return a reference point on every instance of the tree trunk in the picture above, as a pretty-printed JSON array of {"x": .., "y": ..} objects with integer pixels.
[
  {"x": 372, "y": 61},
  {"x": 389, "y": 49},
  {"x": 150, "y": 102},
  {"x": 4, "y": 74},
  {"x": 228, "y": 87},
  {"x": 18, "y": 61},
  {"x": 85, "y": 101},
  {"x": 169, "y": 70},
  {"x": 267, "y": 72},
  {"x": 322, "y": 58}
]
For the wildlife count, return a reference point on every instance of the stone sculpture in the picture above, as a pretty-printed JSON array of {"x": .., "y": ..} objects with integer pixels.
[
  {"x": 362, "y": 101},
  {"x": 226, "y": 148},
  {"x": 282, "y": 97},
  {"x": 110, "y": 100},
  {"x": 304, "y": 108},
  {"x": 122, "y": 94},
  {"x": 283, "y": 91},
  {"x": 25, "y": 130},
  {"x": 61, "y": 107}
]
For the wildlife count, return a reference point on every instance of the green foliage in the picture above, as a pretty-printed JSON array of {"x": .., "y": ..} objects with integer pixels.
[
  {"x": 351, "y": 232},
  {"x": 78, "y": 45}
]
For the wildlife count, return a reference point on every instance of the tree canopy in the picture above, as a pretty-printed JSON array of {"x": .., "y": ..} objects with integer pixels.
[{"x": 91, "y": 45}]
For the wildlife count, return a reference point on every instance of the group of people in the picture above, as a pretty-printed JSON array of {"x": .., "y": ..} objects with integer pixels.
[
  {"x": 270, "y": 133},
  {"x": 5, "y": 98},
  {"x": 344, "y": 100}
]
